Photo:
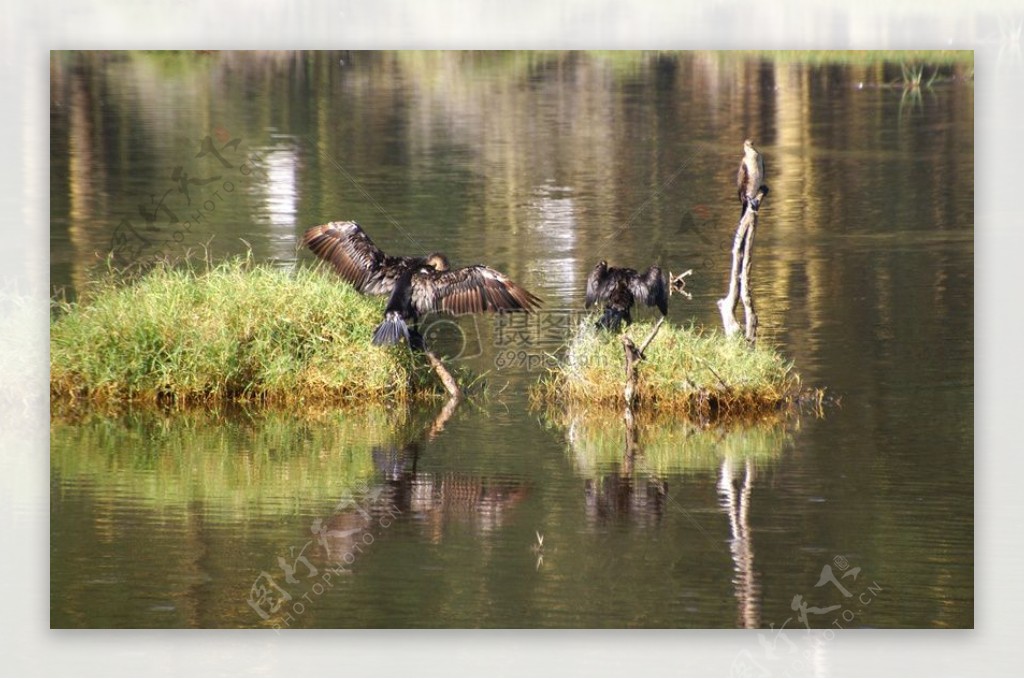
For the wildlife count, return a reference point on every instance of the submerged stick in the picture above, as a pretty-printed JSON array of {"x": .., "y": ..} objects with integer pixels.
[
  {"x": 632, "y": 443},
  {"x": 442, "y": 372},
  {"x": 437, "y": 426}
]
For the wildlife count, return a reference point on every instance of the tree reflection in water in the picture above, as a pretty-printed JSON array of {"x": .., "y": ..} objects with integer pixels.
[{"x": 736, "y": 504}]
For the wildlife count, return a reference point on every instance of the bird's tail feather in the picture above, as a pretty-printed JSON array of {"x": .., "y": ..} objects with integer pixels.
[
  {"x": 392, "y": 330},
  {"x": 612, "y": 319}
]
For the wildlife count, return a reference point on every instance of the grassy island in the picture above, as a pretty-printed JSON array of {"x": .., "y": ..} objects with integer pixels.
[
  {"x": 700, "y": 374},
  {"x": 234, "y": 332}
]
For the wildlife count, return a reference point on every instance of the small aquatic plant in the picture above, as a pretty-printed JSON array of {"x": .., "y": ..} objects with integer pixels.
[
  {"x": 912, "y": 76},
  {"x": 233, "y": 332},
  {"x": 698, "y": 373}
]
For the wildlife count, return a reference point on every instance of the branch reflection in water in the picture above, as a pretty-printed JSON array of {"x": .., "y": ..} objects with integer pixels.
[
  {"x": 628, "y": 464},
  {"x": 737, "y": 506}
]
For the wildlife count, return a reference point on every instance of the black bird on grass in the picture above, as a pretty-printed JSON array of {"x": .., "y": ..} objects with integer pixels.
[
  {"x": 416, "y": 285},
  {"x": 620, "y": 288}
]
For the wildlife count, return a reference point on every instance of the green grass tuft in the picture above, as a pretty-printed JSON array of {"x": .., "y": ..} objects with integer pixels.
[
  {"x": 235, "y": 332},
  {"x": 697, "y": 373}
]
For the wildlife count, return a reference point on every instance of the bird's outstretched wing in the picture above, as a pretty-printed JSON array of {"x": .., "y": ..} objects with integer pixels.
[
  {"x": 595, "y": 282},
  {"x": 354, "y": 256},
  {"x": 651, "y": 288},
  {"x": 469, "y": 290}
]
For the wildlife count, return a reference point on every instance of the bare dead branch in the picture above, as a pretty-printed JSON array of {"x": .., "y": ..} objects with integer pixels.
[
  {"x": 442, "y": 372},
  {"x": 633, "y": 356},
  {"x": 739, "y": 275},
  {"x": 677, "y": 283},
  {"x": 650, "y": 337}
]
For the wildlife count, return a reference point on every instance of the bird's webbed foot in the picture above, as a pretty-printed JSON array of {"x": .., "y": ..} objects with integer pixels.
[{"x": 416, "y": 342}]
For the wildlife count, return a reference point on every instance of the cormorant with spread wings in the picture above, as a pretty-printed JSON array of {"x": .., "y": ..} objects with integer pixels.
[
  {"x": 620, "y": 288},
  {"x": 417, "y": 285}
]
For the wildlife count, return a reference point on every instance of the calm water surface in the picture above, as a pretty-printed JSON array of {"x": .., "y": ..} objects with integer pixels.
[{"x": 539, "y": 165}]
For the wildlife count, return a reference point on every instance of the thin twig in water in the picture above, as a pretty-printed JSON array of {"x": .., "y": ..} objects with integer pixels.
[{"x": 713, "y": 372}]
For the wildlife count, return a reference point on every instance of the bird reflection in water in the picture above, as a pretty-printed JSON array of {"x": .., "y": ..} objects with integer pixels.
[
  {"x": 429, "y": 499},
  {"x": 620, "y": 494}
]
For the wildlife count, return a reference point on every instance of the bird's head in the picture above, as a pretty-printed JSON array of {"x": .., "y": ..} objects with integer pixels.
[
  {"x": 748, "y": 146},
  {"x": 438, "y": 261}
]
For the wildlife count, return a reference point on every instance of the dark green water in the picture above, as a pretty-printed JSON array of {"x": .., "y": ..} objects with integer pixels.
[{"x": 539, "y": 165}]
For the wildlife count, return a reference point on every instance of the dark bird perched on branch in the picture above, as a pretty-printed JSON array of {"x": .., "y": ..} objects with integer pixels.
[
  {"x": 619, "y": 289},
  {"x": 750, "y": 177},
  {"x": 417, "y": 285}
]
